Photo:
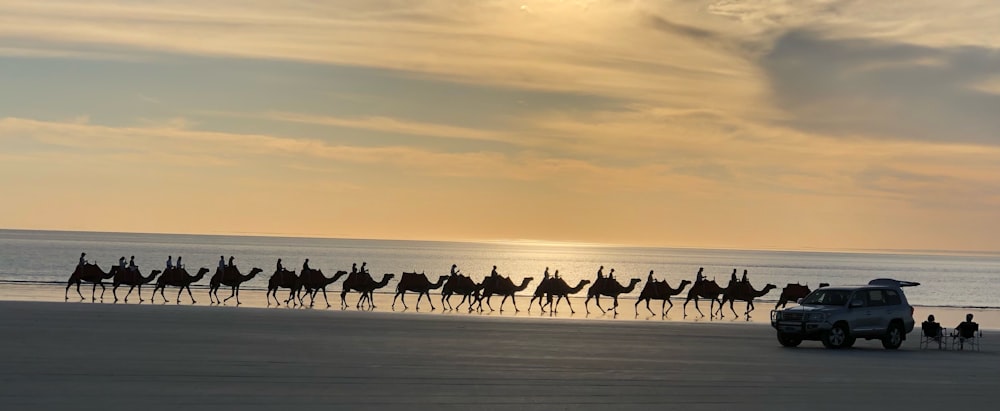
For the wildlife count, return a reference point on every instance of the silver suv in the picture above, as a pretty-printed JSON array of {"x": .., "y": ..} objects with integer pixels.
[{"x": 838, "y": 316}]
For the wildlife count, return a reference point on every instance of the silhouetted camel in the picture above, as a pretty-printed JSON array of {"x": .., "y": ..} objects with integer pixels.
[
  {"x": 90, "y": 273},
  {"x": 659, "y": 290},
  {"x": 178, "y": 277},
  {"x": 540, "y": 291},
  {"x": 282, "y": 279},
  {"x": 704, "y": 289},
  {"x": 417, "y": 283},
  {"x": 500, "y": 285},
  {"x": 742, "y": 291},
  {"x": 558, "y": 288},
  {"x": 459, "y": 284},
  {"x": 230, "y": 276},
  {"x": 364, "y": 284},
  {"x": 132, "y": 279},
  {"x": 312, "y": 281},
  {"x": 609, "y": 287},
  {"x": 793, "y": 292}
]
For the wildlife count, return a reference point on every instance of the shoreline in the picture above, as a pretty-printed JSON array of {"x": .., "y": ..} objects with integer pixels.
[{"x": 988, "y": 318}]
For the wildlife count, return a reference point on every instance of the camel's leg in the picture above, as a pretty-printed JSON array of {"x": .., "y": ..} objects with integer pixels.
[
  {"x": 429, "y": 302},
  {"x": 488, "y": 303},
  {"x": 232, "y": 293},
  {"x": 130, "y": 288},
  {"x": 647, "y": 307},
  {"x": 586, "y": 304},
  {"x": 103, "y": 289},
  {"x": 615, "y": 307},
  {"x": 710, "y": 307},
  {"x": 513, "y": 300},
  {"x": 93, "y": 293},
  {"x": 165, "y": 297},
  {"x": 671, "y": 306},
  {"x": 114, "y": 292},
  {"x": 343, "y": 298},
  {"x": 326, "y": 299},
  {"x": 394, "y": 300},
  {"x": 597, "y": 299},
  {"x": 504, "y": 300},
  {"x": 138, "y": 291},
  {"x": 179, "y": 291},
  {"x": 732, "y": 309},
  {"x": 571, "y": 311},
  {"x": 189, "y": 295}
]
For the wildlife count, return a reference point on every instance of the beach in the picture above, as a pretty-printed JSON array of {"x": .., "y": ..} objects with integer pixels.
[{"x": 124, "y": 356}]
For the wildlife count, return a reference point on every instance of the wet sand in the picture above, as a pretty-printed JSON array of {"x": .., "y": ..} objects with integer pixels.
[{"x": 106, "y": 356}]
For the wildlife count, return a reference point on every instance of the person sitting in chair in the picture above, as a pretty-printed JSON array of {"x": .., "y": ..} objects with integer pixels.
[
  {"x": 966, "y": 330},
  {"x": 932, "y": 329}
]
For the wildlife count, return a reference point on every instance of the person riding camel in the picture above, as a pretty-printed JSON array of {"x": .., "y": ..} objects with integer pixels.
[
  {"x": 305, "y": 266},
  {"x": 231, "y": 258},
  {"x": 611, "y": 274},
  {"x": 170, "y": 262},
  {"x": 131, "y": 264},
  {"x": 280, "y": 268},
  {"x": 699, "y": 277},
  {"x": 83, "y": 259},
  {"x": 454, "y": 270},
  {"x": 222, "y": 264},
  {"x": 744, "y": 280},
  {"x": 179, "y": 265},
  {"x": 354, "y": 268}
]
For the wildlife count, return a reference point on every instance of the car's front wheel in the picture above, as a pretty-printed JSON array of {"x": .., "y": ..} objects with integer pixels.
[
  {"x": 894, "y": 338},
  {"x": 789, "y": 340},
  {"x": 836, "y": 337}
]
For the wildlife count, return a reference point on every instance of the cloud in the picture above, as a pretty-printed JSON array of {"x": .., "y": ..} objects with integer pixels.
[{"x": 862, "y": 87}]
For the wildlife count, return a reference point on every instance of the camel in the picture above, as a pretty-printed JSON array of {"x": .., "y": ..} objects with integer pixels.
[
  {"x": 132, "y": 279},
  {"x": 540, "y": 291},
  {"x": 659, "y": 290},
  {"x": 230, "y": 276},
  {"x": 793, "y": 292},
  {"x": 704, "y": 289},
  {"x": 417, "y": 283},
  {"x": 561, "y": 290},
  {"x": 742, "y": 291},
  {"x": 281, "y": 279},
  {"x": 460, "y": 284},
  {"x": 178, "y": 277},
  {"x": 364, "y": 284},
  {"x": 500, "y": 285},
  {"x": 608, "y": 287},
  {"x": 90, "y": 273},
  {"x": 312, "y": 281}
]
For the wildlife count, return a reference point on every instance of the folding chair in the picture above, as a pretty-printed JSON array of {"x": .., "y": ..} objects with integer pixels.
[
  {"x": 968, "y": 336},
  {"x": 932, "y": 333}
]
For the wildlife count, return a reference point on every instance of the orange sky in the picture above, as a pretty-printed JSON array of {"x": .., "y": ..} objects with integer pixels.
[{"x": 750, "y": 124}]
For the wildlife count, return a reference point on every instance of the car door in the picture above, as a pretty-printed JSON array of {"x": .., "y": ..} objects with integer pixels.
[
  {"x": 858, "y": 315},
  {"x": 876, "y": 311}
]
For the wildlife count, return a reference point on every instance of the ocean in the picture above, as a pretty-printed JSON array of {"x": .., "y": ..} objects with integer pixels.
[{"x": 947, "y": 280}]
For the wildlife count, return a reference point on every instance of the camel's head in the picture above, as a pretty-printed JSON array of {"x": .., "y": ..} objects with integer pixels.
[
  {"x": 203, "y": 270},
  {"x": 585, "y": 282},
  {"x": 769, "y": 287},
  {"x": 155, "y": 273},
  {"x": 685, "y": 282},
  {"x": 255, "y": 271}
]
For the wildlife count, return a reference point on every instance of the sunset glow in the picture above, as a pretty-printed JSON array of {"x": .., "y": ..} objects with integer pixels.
[{"x": 721, "y": 124}]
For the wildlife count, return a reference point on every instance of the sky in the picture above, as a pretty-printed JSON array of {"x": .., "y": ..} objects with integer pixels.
[{"x": 759, "y": 124}]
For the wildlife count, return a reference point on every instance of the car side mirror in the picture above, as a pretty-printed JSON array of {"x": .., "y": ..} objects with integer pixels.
[{"x": 857, "y": 303}]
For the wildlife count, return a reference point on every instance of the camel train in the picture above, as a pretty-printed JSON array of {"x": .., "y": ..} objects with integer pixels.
[{"x": 549, "y": 293}]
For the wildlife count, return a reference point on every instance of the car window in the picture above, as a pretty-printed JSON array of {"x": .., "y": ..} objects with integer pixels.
[
  {"x": 827, "y": 297},
  {"x": 876, "y": 298},
  {"x": 859, "y": 297},
  {"x": 892, "y": 297}
]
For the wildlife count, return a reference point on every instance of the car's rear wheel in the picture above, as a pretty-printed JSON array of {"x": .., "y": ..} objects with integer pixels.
[
  {"x": 789, "y": 340},
  {"x": 894, "y": 337},
  {"x": 836, "y": 337}
]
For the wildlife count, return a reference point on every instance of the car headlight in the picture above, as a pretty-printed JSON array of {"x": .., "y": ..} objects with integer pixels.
[{"x": 816, "y": 317}]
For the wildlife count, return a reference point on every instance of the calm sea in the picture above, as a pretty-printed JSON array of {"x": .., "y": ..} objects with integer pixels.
[{"x": 48, "y": 257}]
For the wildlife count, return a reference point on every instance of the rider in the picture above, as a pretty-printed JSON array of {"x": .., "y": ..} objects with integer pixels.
[
  {"x": 494, "y": 273},
  {"x": 557, "y": 274},
  {"x": 305, "y": 266},
  {"x": 732, "y": 279},
  {"x": 744, "y": 280},
  {"x": 131, "y": 264},
  {"x": 231, "y": 260},
  {"x": 650, "y": 277},
  {"x": 170, "y": 262},
  {"x": 600, "y": 273},
  {"x": 280, "y": 268},
  {"x": 546, "y": 275},
  {"x": 179, "y": 265},
  {"x": 454, "y": 270},
  {"x": 363, "y": 269},
  {"x": 699, "y": 277},
  {"x": 222, "y": 263},
  {"x": 83, "y": 259},
  {"x": 354, "y": 268},
  {"x": 611, "y": 274}
]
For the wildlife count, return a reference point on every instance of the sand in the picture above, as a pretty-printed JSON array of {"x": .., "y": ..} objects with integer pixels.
[{"x": 104, "y": 356}]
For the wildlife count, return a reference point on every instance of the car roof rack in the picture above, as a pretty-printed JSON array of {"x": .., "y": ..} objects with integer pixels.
[{"x": 893, "y": 283}]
